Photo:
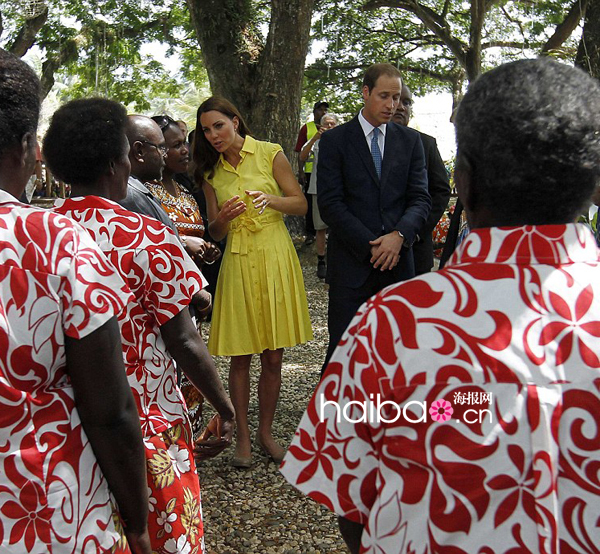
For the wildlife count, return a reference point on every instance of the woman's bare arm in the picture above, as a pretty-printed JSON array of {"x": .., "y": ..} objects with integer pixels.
[{"x": 292, "y": 202}]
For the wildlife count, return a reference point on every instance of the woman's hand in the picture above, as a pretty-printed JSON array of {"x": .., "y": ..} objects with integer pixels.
[
  {"x": 231, "y": 209},
  {"x": 260, "y": 199},
  {"x": 214, "y": 439}
]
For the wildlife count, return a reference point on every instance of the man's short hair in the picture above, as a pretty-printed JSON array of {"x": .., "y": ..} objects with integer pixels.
[
  {"x": 377, "y": 70},
  {"x": 530, "y": 131},
  {"x": 19, "y": 101}
]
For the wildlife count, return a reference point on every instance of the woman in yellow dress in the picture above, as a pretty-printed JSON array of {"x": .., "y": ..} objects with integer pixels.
[{"x": 260, "y": 303}]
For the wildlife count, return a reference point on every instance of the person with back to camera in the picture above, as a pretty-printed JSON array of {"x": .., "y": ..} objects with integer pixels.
[
  {"x": 306, "y": 165},
  {"x": 86, "y": 145},
  {"x": 489, "y": 369},
  {"x": 260, "y": 301},
  {"x": 65, "y": 448},
  {"x": 183, "y": 210}
]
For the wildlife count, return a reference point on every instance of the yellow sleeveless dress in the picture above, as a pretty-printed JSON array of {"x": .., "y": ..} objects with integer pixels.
[{"x": 260, "y": 300}]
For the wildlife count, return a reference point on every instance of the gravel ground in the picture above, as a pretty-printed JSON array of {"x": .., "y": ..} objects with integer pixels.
[{"x": 255, "y": 510}]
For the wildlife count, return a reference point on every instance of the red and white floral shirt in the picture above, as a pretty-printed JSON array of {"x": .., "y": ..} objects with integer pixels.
[
  {"x": 163, "y": 279},
  {"x": 54, "y": 282},
  {"x": 460, "y": 412}
]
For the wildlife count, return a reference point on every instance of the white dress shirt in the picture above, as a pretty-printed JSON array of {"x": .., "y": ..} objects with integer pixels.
[{"x": 368, "y": 131}]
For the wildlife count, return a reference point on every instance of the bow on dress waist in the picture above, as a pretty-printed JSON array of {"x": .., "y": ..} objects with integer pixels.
[{"x": 242, "y": 226}]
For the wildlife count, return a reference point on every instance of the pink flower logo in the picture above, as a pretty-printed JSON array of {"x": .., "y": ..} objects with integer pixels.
[{"x": 441, "y": 410}]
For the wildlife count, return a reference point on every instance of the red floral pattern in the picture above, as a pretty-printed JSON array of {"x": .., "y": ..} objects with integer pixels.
[
  {"x": 53, "y": 282},
  {"x": 514, "y": 313},
  {"x": 163, "y": 280}
]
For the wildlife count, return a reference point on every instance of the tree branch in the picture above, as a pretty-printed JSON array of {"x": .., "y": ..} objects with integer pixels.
[
  {"x": 433, "y": 21},
  {"x": 25, "y": 39},
  {"x": 445, "y": 8},
  {"x": 68, "y": 52},
  {"x": 509, "y": 44},
  {"x": 445, "y": 77},
  {"x": 564, "y": 30}
]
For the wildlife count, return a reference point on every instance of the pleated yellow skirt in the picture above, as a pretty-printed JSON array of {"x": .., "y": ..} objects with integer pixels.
[{"x": 260, "y": 300}]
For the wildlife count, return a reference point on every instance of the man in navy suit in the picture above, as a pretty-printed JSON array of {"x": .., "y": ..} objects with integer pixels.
[
  {"x": 372, "y": 192},
  {"x": 438, "y": 186}
]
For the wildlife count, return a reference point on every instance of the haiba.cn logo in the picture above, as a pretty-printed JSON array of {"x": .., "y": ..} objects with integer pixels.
[{"x": 374, "y": 410}]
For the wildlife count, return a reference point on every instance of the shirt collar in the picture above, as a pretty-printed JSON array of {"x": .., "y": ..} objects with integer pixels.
[
  {"x": 249, "y": 147},
  {"x": 87, "y": 202},
  {"x": 367, "y": 127},
  {"x": 528, "y": 245},
  {"x": 6, "y": 197},
  {"x": 135, "y": 183}
]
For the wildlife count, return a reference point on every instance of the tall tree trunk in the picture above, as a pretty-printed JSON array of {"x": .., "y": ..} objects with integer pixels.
[
  {"x": 262, "y": 78},
  {"x": 473, "y": 58},
  {"x": 457, "y": 93},
  {"x": 588, "y": 53}
]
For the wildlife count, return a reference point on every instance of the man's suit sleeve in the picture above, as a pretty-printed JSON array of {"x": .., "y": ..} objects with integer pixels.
[
  {"x": 418, "y": 201},
  {"x": 331, "y": 198},
  {"x": 439, "y": 185}
]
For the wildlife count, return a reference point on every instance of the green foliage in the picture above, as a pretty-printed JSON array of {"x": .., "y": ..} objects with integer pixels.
[
  {"x": 353, "y": 38},
  {"x": 97, "y": 47}
]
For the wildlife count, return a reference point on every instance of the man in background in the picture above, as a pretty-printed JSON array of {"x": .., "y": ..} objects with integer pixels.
[
  {"x": 147, "y": 151},
  {"x": 437, "y": 184},
  {"x": 305, "y": 167}
]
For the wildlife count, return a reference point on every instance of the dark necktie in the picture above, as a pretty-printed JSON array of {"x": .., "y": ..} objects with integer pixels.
[{"x": 375, "y": 151}]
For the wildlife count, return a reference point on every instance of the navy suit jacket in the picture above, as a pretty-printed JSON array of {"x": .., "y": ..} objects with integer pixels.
[
  {"x": 439, "y": 190},
  {"x": 358, "y": 206}
]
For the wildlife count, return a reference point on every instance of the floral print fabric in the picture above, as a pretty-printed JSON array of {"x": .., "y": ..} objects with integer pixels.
[
  {"x": 487, "y": 378},
  {"x": 175, "y": 522},
  {"x": 53, "y": 282},
  {"x": 182, "y": 210},
  {"x": 163, "y": 279}
]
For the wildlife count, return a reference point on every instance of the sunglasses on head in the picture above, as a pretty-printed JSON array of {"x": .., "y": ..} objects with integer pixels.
[{"x": 163, "y": 121}]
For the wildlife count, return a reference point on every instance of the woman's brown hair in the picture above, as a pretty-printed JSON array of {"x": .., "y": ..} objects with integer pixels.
[{"x": 204, "y": 156}]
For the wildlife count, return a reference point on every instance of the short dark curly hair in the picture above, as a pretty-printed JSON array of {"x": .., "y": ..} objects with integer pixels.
[
  {"x": 83, "y": 138},
  {"x": 530, "y": 131},
  {"x": 19, "y": 101}
]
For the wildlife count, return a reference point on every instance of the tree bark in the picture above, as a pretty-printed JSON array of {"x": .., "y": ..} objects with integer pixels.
[
  {"x": 565, "y": 29},
  {"x": 473, "y": 61},
  {"x": 588, "y": 53},
  {"x": 68, "y": 52},
  {"x": 262, "y": 78},
  {"x": 25, "y": 39}
]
